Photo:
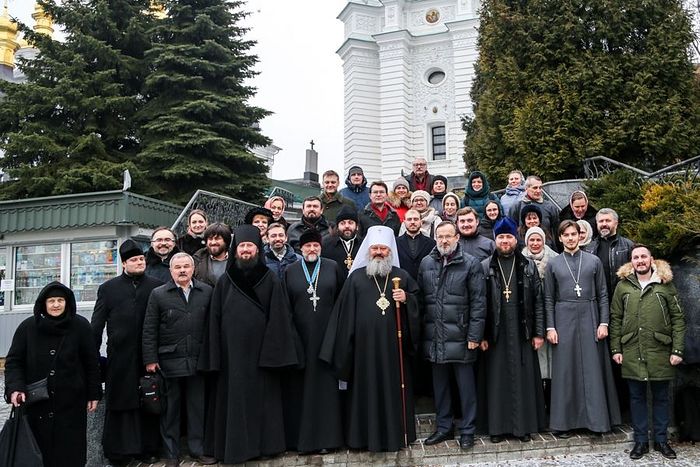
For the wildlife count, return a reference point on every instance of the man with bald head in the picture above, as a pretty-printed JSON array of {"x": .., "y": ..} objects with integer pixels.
[{"x": 361, "y": 345}]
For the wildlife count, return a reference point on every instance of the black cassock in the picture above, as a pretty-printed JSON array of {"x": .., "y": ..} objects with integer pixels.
[
  {"x": 361, "y": 344},
  {"x": 249, "y": 335},
  {"x": 311, "y": 399}
]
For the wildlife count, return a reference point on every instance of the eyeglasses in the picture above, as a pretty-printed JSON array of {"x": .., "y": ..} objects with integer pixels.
[
  {"x": 419, "y": 164},
  {"x": 162, "y": 240}
]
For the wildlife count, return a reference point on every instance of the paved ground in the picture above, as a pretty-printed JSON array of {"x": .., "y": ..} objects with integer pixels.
[{"x": 544, "y": 451}]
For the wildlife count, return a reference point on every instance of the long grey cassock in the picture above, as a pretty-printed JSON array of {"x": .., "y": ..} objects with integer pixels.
[{"x": 583, "y": 391}]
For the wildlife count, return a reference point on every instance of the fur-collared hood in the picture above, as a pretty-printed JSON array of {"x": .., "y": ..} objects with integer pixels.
[
  {"x": 395, "y": 201},
  {"x": 661, "y": 269}
]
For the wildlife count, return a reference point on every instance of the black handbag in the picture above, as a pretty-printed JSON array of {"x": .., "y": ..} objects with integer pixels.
[
  {"x": 18, "y": 446},
  {"x": 152, "y": 392},
  {"x": 37, "y": 391}
]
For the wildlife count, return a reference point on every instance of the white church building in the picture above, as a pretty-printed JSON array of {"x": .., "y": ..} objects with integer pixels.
[{"x": 408, "y": 67}]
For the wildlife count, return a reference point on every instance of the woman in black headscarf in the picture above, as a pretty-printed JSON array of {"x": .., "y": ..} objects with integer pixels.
[{"x": 56, "y": 344}]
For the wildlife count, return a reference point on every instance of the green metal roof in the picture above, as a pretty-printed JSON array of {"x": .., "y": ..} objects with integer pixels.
[
  {"x": 298, "y": 190},
  {"x": 85, "y": 210}
]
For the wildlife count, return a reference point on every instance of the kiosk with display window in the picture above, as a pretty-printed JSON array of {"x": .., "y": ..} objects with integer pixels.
[{"x": 73, "y": 239}]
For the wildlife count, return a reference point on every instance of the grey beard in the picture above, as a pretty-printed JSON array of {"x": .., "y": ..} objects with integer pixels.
[
  {"x": 379, "y": 267},
  {"x": 447, "y": 251}
]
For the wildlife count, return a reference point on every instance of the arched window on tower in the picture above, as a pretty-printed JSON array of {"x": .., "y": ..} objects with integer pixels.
[{"x": 438, "y": 142}]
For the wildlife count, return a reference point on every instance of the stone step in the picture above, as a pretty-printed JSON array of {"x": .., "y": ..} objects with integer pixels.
[{"x": 449, "y": 453}]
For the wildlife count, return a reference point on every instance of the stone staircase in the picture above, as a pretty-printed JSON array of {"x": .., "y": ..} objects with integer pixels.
[{"x": 543, "y": 445}]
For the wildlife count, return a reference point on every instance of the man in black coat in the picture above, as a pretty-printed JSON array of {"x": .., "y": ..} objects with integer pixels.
[
  {"x": 158, "y": 256},
  {"x": 452, "y": 290},
  {"x": 311, "y": 218},
  {"x": 470, "y": 240},
  {"x": 248, "y": 336},
  {"x": 342, "y": 247},
  {"x": 413, "y": 246},
  {"x": 172, "y": 336},
  {"x": 121, "y": 306},
  {"x": 311, "y": 400},
  {"x": 513, "y": 399}
]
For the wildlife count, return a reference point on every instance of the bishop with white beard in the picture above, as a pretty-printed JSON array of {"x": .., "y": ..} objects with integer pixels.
[{"x": 361, "y": 344}]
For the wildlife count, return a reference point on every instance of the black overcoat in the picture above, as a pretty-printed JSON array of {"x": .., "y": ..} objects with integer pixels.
[
  {"x": 249, "y": 334},
  {"x": 62, "y": 351},
  {"x": 173, "y": 328},
  {"x": 121, "y": 305}
]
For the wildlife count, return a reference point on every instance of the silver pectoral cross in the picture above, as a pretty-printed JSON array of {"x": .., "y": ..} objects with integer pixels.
[
  {"x": 578, "y": 290},
  {"x": 314, "y": 298}
]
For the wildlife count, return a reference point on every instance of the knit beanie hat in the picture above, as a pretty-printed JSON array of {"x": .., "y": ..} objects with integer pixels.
[{"x": 421, "y": 194}]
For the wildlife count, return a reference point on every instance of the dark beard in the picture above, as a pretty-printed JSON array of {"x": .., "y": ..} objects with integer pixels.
[
  {"x": 247, "y": 264},
  {"x": 347, "y": 237}
]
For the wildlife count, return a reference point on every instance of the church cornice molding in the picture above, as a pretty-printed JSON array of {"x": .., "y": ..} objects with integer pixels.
[
  {"x": 354, "y": 46},
  {"x": 353, "y": 7}
]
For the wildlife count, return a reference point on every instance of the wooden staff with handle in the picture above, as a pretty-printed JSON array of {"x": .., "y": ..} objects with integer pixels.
[{"x": 397, "y": 285}]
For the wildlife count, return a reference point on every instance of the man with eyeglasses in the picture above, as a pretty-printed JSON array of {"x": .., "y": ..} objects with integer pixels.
[
  {"x": 534, "y": 195},
  {"x": 378, "y": 211},
  {"x": 452, "y": 289},
  {"x": 158, "y": 256},
  {"x": 419, "y": 178}
]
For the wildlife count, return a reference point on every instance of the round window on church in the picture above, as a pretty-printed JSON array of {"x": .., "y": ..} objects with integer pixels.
[{"x": 436, "y": 77}]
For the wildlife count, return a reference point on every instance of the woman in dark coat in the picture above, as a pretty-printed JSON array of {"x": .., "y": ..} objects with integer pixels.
[
  {"x": 493, "y": 212},
  {"x": 57, "y": 344},
  {"x": 477, "y": 193}
]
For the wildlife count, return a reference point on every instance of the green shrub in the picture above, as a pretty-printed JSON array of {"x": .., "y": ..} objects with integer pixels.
[{"x": 664, "y": 215}]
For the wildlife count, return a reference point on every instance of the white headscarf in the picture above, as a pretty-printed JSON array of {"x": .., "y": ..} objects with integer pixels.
[{"x": 376, "y": 235}]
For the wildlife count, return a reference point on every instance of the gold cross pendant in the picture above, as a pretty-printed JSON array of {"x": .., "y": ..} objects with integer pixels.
[{"x": 507, "y": 293}]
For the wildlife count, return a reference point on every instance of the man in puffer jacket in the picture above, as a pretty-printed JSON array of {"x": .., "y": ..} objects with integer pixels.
[
  {"x": 453, "y": 293},
  {"x": 356, "y": 188},
  {"x": 647, "y": 331}
]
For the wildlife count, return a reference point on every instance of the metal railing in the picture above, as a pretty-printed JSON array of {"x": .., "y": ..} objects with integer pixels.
[
  {"x": 219, "y": 208},
  {"x": 595, "y": 167}
]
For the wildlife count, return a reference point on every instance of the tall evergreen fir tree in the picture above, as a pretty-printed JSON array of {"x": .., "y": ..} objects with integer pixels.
[
  {"x": 70, "y": 128},
  {"x": 560, "y": 81},
  {"x": 197, "y": 125}
]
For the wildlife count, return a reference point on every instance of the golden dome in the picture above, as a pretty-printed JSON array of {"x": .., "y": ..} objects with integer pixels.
[
  {"x": 43, "y": 22},
  {"x": 8, "y": 39}
]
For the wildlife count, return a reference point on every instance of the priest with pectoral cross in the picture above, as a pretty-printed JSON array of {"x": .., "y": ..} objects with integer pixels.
[
  {"x": 512, "y": 399},
  {"x": 310, "y": 396},
  {"x": 362, "y": 345},
  {"x": 577, "y": 316}
]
